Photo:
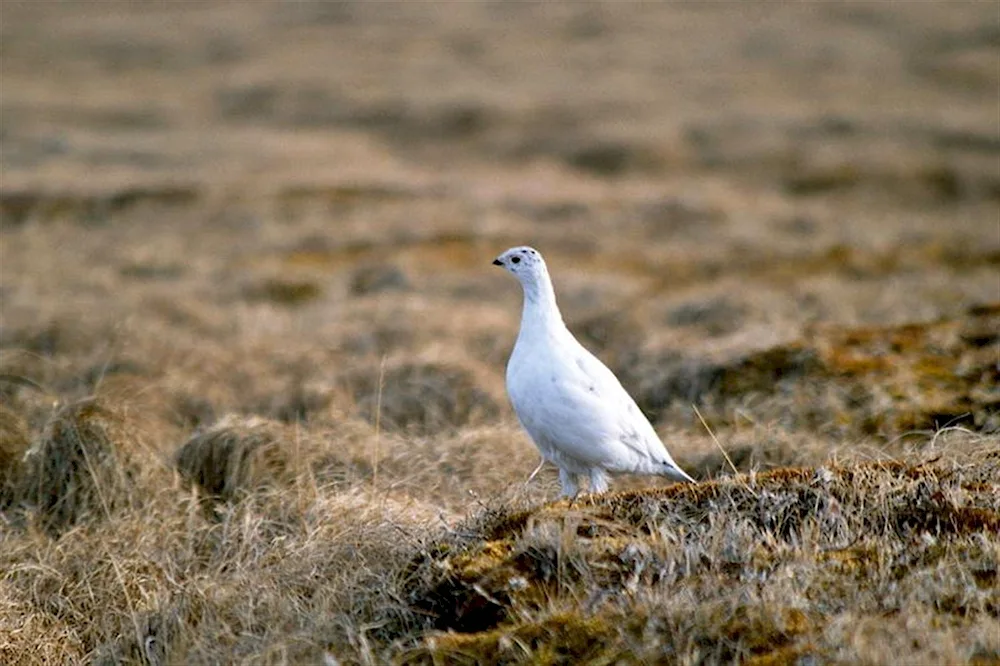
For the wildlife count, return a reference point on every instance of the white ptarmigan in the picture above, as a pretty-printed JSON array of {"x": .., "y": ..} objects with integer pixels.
[{"x": 572, "y": 406}]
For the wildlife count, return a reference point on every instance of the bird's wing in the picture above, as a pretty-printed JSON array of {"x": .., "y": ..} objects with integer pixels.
[
  {"x": 560, "y": 408},
  {"x": 566, "y": 398},
  {"x": 634, "y": 429},
  {"x": 576, "y": 405}
]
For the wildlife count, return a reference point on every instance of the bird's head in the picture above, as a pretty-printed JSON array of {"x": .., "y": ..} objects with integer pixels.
[{"x": 524, "y": 262}]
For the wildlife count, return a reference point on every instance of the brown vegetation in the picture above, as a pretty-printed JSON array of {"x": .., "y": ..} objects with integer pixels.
[
  {"x": 236, "y": 457},
  {"x": 881, "y": 380},
  {"x": 84, "y": 464},
  {"x": 252, "y": 348}
]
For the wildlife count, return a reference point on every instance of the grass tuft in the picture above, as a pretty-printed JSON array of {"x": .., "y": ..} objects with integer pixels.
[
  {"x": 235, "y": 457},
  {"x": 83, "y": 467}
]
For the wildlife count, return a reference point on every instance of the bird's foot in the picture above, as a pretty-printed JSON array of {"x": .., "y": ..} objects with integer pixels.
[{"x": 583, "y": 498}]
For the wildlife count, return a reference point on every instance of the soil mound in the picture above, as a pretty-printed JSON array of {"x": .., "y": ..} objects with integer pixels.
[{"x": 590, "y": 581}]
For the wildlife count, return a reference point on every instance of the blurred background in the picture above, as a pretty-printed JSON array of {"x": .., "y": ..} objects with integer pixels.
[
  {"x": 800, "y": 101},
  {"x": 248, "y": 246},
  {"x": 251, "y": 206}
]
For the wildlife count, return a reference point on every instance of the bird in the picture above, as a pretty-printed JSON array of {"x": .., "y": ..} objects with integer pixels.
[{"x": 571, "y": 405}]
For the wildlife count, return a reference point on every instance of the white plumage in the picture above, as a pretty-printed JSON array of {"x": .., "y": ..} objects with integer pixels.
[{"x": 572, "y": 406}]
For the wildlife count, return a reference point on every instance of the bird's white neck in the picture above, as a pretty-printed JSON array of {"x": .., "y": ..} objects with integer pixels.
[{"x": 540, "y": 309}]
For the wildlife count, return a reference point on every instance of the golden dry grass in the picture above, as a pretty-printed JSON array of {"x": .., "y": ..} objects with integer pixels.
[{"x": 252, "y": 349}]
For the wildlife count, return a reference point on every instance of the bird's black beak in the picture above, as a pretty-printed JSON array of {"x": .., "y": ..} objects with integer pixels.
[{"x": 497, "y": 262}]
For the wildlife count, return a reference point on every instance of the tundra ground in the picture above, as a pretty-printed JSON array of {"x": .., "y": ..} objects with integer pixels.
[{"x": 252, "y": 346}]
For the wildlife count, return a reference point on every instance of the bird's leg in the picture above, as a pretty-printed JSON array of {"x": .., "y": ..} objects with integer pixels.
[
  {"x": 568, "y": 481},
  {"x": 598, "y": 481}
]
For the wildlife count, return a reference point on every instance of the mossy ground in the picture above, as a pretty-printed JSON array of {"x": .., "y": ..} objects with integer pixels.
[
  {"x": 252, "y": 348},
  {"x": 601, "y": 579}
]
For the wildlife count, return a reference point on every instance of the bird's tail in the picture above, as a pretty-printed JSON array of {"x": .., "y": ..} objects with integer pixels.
[{"x": 672, "y": 471}]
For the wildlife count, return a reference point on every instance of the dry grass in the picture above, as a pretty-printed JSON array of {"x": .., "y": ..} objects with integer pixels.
[
  {"x": 422, "y": 398},
  {"x": 252, "y": 349},
  {"x": 873, "y": 380},
  {"x": 14, "y": 443},
  {"x": 84, "y": 466},
  {"x": 236, "y": 457}
]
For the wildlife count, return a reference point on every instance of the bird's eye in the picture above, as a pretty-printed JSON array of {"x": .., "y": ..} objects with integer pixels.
[{"x": 515, "y": 260}]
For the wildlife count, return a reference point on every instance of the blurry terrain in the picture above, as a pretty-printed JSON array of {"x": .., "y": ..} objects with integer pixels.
[{"x": 252, "y": 346}]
